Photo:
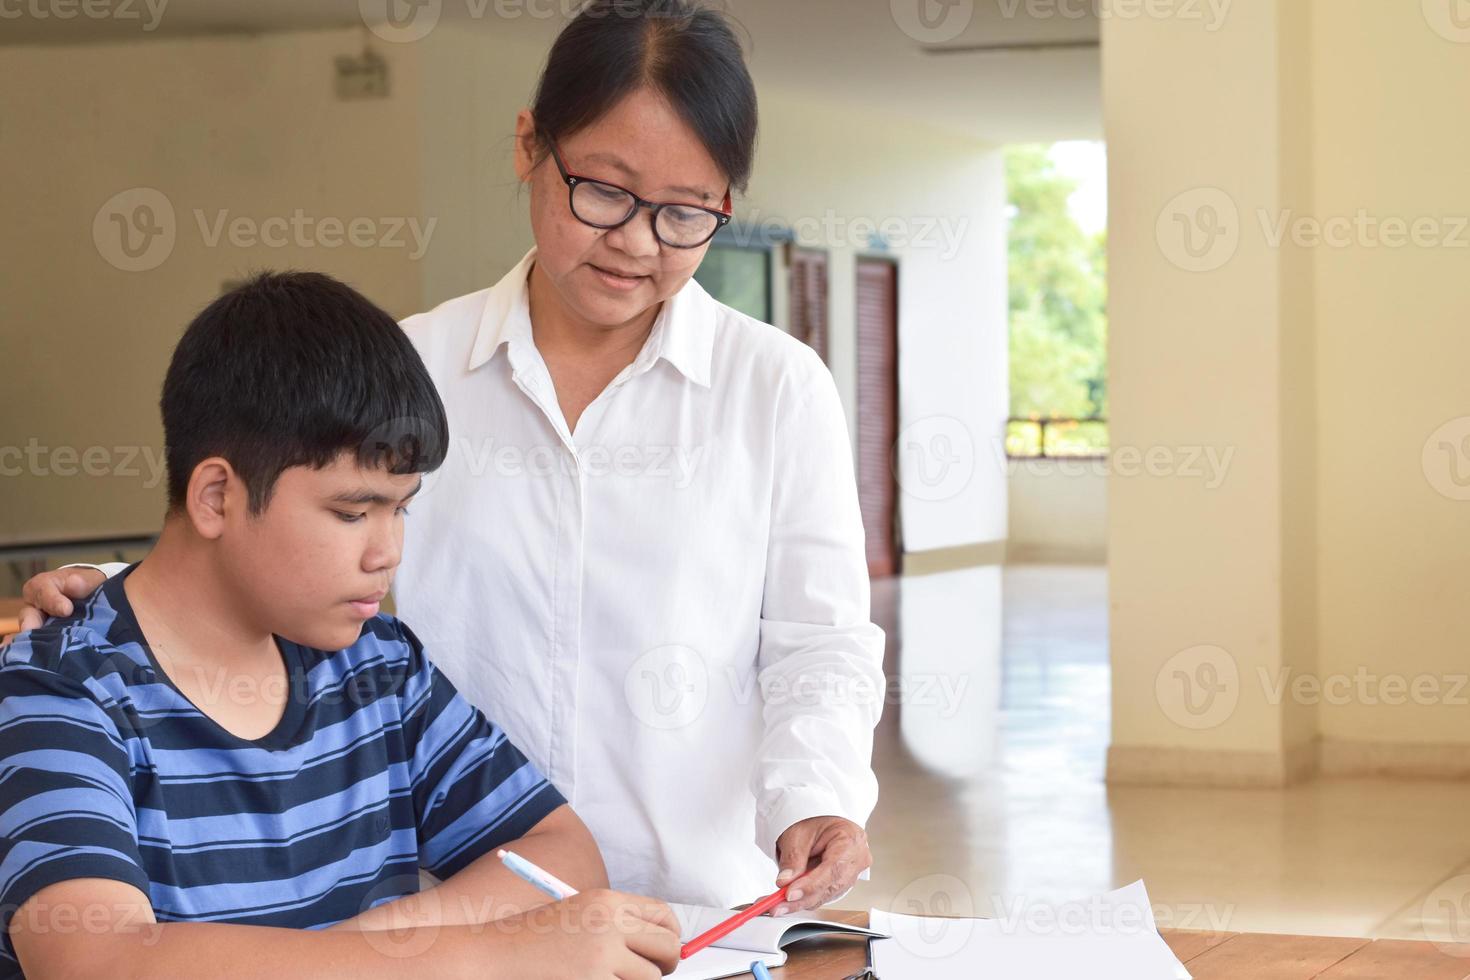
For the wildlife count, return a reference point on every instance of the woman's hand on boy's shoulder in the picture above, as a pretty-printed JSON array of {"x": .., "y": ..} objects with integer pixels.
[{"x": 53, "y": 593}]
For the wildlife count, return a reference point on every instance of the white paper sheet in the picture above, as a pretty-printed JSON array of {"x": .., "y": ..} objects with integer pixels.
[{"x": 1107, "y": 937}]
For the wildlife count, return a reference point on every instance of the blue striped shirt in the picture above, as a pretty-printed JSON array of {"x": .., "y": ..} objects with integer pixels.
[{"x": 377, "y": 768}]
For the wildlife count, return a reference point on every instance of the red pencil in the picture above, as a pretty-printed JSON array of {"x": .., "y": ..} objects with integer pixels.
[{"x": 734, "y": 922}]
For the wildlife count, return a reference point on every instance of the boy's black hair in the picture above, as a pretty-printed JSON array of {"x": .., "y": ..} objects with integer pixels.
[
  {"x": 293, "y": 369},
  {"x": 682, "y": 49}
]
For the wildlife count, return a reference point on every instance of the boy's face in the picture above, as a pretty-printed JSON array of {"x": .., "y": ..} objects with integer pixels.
[{"x": 314, "y": 565}]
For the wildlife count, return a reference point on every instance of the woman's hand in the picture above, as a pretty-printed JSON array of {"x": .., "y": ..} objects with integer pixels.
[
  {"x": 51, "y": 594},
  {"x": 834, "y": 851}
]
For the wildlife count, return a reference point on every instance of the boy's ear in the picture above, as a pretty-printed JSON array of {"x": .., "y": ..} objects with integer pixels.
[
  {"x": 214, "y": 489},
  {"x": 525, "y": 154}
]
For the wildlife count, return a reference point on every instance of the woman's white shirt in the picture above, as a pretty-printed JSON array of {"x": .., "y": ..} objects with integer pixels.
[{"x": 666, "y": 609}]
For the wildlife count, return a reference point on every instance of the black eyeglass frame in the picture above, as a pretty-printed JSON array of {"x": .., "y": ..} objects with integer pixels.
[{"x": 572, "y": 179}]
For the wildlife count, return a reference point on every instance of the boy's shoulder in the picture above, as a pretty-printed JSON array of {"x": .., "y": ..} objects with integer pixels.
[
  {"x": 385, "y": 631},
  {"x": 72, "y": 650},
  {"x": 71, "y": 644},
  {"x": 387, "y": 658},
  {"x": 385, "y": 641},
  {"x": 79, "y": 649}
]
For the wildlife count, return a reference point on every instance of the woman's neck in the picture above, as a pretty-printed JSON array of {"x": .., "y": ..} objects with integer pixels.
[
  {"x": 560, "y": 333},
  {"x": 581, "y": 357}
]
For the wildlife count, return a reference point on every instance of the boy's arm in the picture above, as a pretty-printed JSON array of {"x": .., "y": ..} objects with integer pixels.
[
  {"x": 473, "y": 793},
  {"x": 486, "y": 889},
  {"x": 96, "y": 927},
  {"x": 100, "y": 927}
]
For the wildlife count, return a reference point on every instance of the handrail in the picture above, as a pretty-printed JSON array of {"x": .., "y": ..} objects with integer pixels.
[
  {"x": 15, "y": 550},
  {"x": 1042, "y": 424}
]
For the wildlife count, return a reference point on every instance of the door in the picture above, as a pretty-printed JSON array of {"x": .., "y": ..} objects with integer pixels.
[
  {"x": 877, "y": 410},
  {"x": 808, "y": 286}
]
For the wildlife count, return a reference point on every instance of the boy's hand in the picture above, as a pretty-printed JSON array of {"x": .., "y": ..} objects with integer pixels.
[
  {"x": 51, "y": 594},
  {"x": 834, "y": 851},
  {"x": 594, "y": 935}
]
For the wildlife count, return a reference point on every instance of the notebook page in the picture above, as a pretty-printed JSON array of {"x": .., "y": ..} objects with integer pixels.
[
  {"x": 763, "y": 934},
  {"x": 713, "y": 962}
]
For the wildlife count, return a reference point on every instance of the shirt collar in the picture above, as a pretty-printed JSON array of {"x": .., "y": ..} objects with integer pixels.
[
  {"x": 506, "y": 318},
  {"x": 683, "y": 334}
]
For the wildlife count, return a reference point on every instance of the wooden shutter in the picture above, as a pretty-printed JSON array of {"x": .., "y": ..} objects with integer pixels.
[
  {"x": 877, "y": 409},
  {"x": 809, "y": 297}
]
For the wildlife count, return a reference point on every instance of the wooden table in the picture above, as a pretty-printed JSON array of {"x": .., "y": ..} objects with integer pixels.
[{"x": 1208, "y": 955}]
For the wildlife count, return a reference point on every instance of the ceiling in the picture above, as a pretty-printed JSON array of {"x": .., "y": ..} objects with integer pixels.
[{"x": 867, "y": 52}]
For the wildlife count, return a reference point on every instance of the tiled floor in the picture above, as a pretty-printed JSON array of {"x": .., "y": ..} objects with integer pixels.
[{"x": 990, "y": 758}]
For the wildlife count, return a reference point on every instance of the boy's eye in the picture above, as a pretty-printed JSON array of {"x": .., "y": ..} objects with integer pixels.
[
  {"x": 403, "y": 510},
  {"x": 350, "y": 518}
]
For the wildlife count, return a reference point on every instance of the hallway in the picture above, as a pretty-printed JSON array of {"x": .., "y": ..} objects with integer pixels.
[{"x": 994, "y": 772}]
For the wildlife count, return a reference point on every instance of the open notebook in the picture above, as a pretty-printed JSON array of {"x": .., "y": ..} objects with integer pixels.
[{"x": 763, "y": 938}]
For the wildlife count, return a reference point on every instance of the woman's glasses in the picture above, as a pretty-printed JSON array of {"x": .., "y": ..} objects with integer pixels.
[{"x": 603, "y": 205}]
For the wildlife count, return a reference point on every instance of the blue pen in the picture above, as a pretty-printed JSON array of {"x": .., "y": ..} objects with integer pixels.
[
  {"x": 759, "y": 969},
  {"x": 544, "y": 880}
]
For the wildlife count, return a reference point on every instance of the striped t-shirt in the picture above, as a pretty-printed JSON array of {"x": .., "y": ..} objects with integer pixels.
[{"x": 378, "y": 767}]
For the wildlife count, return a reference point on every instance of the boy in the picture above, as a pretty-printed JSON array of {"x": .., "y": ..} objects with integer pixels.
[{"x": 226, "y": 762}]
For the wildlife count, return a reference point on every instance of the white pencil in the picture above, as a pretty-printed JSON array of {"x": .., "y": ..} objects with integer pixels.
[{"x": 542, "y": 879}]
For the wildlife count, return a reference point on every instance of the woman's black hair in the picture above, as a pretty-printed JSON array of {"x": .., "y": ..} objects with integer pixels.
[
  {"x": 686, "y": 52},
  {"x": 293, "y": 369}
]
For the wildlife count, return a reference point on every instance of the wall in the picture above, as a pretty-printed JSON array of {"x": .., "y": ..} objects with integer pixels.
[
  {"x": 251, "y": 126},
  {"x": 1058, "y": 511},
  {"x": 1306, "y": 613},
  {"x": 245, "y": 125},
  {"x": 1197, "y": 354},
  {"x": 1392, "y": 347}
]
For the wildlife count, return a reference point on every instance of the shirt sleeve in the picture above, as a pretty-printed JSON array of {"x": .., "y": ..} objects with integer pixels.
[
  {"x": 66, "y": 804},
  {"x": 473, "y": 790},
  {"x": 816, "y": 633},
  {"x": 108, "y": 568}
]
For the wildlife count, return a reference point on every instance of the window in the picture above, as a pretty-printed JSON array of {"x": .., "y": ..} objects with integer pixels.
[
  {"x": 1058, "y": 300},
  {"x": 738, "y": 276}
]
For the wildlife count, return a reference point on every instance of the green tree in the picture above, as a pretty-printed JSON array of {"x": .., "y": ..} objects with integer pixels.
[{"x": 1058, "y": 295}]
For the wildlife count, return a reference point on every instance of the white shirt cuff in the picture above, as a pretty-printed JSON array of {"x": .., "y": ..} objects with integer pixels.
[{"x": 108, "y": 568}]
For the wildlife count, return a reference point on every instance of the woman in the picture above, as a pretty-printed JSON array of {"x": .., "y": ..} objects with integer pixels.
[{"x": 644, "y": 556}]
